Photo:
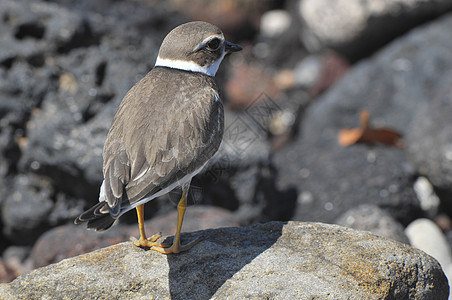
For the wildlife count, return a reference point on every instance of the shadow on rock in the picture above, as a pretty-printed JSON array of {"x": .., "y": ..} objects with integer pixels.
[
  {"x": 218, "y": 260},
  {"x": 275, "y": 260}
]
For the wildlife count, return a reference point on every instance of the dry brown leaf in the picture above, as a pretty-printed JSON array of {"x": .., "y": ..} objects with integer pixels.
[
  {"x": 369, "y": 135},
  {"x": 349, "y": 137}
]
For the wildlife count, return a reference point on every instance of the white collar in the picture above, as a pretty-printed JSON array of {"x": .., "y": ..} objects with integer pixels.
[{"x": 189, "y": 65}]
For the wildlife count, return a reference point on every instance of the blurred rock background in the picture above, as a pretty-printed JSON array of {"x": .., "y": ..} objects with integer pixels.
[{"x": 307, "y": 71}]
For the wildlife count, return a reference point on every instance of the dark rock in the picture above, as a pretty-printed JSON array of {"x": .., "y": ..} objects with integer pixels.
[
  {"x": 67, "y": 31},
  {"x": 13, "y": 111},
  {"x": 66, "y": 65},
  {"x": 333, "y": 68},
  {"x": 241, "y": 172},
  {"x": 64, "y": 68},
  {"x": 273, "y": 260},
  {"x": 98, "y": 55},
  {"x": 20, "y": 33},
  {"x": 331, "y": 179},
  {"x": 28, "y": 85},
  {"x": 393, "y": 85},
  {"x": 280, "y": 50},
  {"x": 244, "y": 146},
  {"x": 433, "y": 126},
  {"x": 275, "y": 204},
  {"x": 372, "y": 218},
  {"x": 26, "y": 209},
  {"x": 356, "y": 29},
  {"x": 9, "y": 152},
  {"x": 65, "y": 136},
  {"x": 61, "y": 148},
  {"x": 236, "y": 18},
  {"x": 65, "y": 209}
]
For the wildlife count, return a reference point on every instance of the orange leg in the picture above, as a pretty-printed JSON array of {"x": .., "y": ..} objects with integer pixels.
[
  {"x": 177, "y": 247},
  {"x": 143, "y": 241}
]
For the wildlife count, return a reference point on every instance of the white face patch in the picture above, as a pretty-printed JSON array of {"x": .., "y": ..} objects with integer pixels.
[{"x": 186, "y": 65}]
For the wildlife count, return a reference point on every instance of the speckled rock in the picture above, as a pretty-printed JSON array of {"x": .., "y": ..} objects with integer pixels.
[
  {"x": 274, "y": 261},
  {"x": 394, "y": 85},
  {"x": 434, "y": 127},
  {"x": 54, "y": 245},
  {"x": 424, "y": 234},
  {"x": 372, "y": 218},
  {"x": 356, "y": 27}
]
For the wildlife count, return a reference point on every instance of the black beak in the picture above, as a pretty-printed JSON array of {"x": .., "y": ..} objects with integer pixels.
[{"x": 230, "y": 47}]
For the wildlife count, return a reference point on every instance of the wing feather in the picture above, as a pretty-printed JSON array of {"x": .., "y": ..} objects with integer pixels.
[{"x": 165, "y": 141}]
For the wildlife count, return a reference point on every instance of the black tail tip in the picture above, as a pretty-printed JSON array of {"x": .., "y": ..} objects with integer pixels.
[{"x": 95, "y": 218}]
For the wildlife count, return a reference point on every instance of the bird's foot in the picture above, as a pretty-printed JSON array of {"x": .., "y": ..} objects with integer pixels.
[
  {"x": 147, "y": 242},
  {"x": 176, "y": 247}
]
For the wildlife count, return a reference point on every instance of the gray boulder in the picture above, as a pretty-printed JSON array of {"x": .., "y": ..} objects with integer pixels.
[
  {"x": 272, "y": 261},
  {"x": 372, "y": 218},
  {"x": 26, "y": 208},
  {"x": 430, "y": 145},
  {"x": 394, "y": 86},
  {"x": 356, "y": 28}
]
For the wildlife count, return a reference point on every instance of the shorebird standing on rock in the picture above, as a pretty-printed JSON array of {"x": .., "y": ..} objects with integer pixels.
[{"x": 166, "y": 129}]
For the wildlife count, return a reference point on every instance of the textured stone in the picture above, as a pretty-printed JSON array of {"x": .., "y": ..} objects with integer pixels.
[
  {"x": 425, "y": 235},
  {"x": 54, "y": 245},
  {"x": 26, "y": 209},
  {"x": 372, "y": 218},
  {"x": 273, "y": 260},
  {"x": 355, "y": 27},
  {"x": 275, "y": 22},
  {"x": 393, "y": 85},
  {"x": 434, "y": 127}
]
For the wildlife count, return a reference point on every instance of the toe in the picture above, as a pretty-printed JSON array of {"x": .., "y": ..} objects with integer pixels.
[{"x": 176, "y": 247}]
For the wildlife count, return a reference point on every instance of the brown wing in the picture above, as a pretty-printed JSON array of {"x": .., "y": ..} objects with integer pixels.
[{"x": 161, "y": 132}]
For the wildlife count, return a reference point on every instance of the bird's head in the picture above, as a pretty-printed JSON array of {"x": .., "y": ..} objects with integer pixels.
[{"x": 195, "y": 46}]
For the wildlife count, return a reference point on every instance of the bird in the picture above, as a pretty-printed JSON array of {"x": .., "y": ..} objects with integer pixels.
[{"x": 167, "y": 127}]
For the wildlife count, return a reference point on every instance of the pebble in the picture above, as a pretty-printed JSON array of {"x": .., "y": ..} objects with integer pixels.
[
  {"x": 275, "y": 22},
  {"x": 307, "y": 71},
  {"x": 426, "y": 195},
  {"x": 426, "y": 236}
]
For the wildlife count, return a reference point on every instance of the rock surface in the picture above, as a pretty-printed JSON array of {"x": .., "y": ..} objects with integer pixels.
[
  {"x": 330, "y": 178},
  {"x": 355, "y": 27},
  {"x": 434, "y": 162},
  {"x": 65, "y": 66},
  {"x": 55, "y": 245},
  {"x": 372, "y": 218},
  {"x": 425, "y": 235},
  {"x": 274, "y": 260}
]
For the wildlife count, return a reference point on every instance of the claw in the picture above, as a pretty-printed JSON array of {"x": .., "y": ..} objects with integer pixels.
[
  {"x": 155, "y": 237},
  {"x": 149, "y": 242},
  {"x": 152, "y": 243},
  {"x": 176, "y": 247}
]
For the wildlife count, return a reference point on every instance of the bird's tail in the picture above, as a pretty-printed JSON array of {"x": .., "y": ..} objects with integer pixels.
[{"x": 97, "y": 217}]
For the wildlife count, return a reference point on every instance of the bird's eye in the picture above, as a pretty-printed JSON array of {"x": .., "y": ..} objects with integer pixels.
[{"x": 213, "y": 44}]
